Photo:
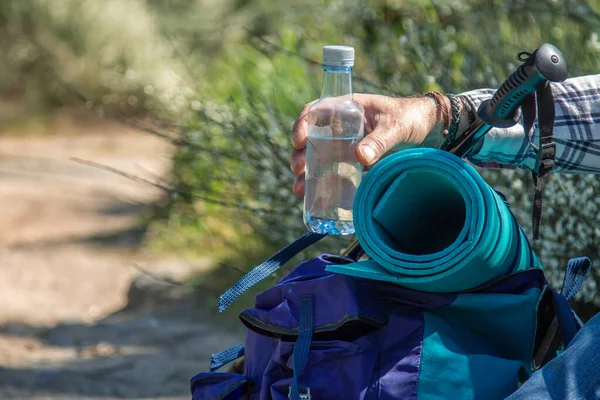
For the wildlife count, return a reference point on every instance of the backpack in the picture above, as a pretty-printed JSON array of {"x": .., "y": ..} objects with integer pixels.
[
  {"x": 322, "y": 335},
  {"x": 467, "y": 318}
]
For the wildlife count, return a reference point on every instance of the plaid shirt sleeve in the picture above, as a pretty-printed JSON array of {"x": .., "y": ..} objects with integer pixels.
[{"x": 576, "y": 131}]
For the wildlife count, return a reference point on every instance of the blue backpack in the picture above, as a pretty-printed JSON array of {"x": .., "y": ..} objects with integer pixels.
[
  {"x": 330, "y": 336},
  {"x": 472, "y": 320}
]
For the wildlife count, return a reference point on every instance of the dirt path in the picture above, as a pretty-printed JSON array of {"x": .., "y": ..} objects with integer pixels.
[{"x": 77, "y": 320}]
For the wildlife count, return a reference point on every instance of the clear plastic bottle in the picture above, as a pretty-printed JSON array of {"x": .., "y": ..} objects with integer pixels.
[{"x": 335, "y": 127}]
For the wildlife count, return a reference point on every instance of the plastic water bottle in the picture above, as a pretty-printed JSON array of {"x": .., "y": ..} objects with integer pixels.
[{"x": 335, "y": 127}]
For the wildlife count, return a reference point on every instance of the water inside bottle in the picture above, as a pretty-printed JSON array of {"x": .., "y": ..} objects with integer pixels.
[{"x": 332, "y": 176}]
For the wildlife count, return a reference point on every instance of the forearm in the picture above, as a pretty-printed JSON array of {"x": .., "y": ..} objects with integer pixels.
[{"x": 576, "y": 131}]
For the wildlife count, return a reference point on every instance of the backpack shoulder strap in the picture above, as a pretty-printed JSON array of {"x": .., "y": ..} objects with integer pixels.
[{"x": 267, "y": 268}]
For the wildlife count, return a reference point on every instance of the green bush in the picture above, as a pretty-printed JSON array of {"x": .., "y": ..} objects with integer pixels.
[
  {"x": 113, "y": 56},
  {"x": 253, "y": 91}
]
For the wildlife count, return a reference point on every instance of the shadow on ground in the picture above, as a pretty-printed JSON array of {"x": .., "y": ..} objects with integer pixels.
[
  {"x": 130, "y": 238},
  {"x": 160, "y": 324}
]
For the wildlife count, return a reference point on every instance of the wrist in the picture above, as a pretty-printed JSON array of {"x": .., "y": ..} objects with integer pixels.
[
  {"x": 433, "y": 120},
  {"x": 441, "y": 111},
  {"x": 468, "y": 114},
  {"x": 453, "y": 115},
  {"x": 442, "y": 119}
]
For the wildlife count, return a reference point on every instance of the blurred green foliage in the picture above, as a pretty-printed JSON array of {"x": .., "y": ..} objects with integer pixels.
[
  {"x": 133, "y": 57},
  {"x": 259, "y": 84},
  {"x": 233, "y": 75}
]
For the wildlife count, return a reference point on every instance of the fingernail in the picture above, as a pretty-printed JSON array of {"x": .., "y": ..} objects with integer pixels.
[{"x": 368, "y": 153}]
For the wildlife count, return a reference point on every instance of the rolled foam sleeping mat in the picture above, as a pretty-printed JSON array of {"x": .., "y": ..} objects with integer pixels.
[{"x": 430, "y": 222}]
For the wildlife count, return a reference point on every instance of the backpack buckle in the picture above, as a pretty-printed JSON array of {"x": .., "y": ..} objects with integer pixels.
[
  {"x": 545, "y": 159},
  {"x": 304, "y": 393}
]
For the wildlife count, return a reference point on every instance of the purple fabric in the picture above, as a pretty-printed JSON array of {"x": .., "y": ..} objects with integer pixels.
[
  {"x": 336, "y": 302},
  {"x": 402, "y": 346},
  {"x": 516, "y": 283},
  {"x": 310, "y": 269},
  {"x": 255, "y": 367},
  {"x": 358, "y": 363},
  {"x": 348, "y": 370},
  {"x": 337, "y": 299},
  {"x": 335, "y": 369},
  {"x": 398, "y": 295}
]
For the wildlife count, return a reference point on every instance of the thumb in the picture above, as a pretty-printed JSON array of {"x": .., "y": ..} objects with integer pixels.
[{"x": 376, "y": 144}]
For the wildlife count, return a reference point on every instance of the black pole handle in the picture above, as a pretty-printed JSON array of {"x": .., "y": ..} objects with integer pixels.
[{"x": 547, "y": 63}]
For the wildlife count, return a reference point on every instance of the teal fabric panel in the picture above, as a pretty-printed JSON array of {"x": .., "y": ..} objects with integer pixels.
[
  {"x": 478, "y": 347},
  {"x": 430, "y": 222}
]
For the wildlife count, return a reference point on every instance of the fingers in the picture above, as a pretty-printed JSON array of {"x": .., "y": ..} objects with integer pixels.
[
  {"x": 299, "y": 185},
  {"x": 366, "y": 100},
  {"x": 375, "y": 145},
  {"x": 393, "y": 121},
  {"x": 298, "y": 161},
  {"x": 300, "y": 128}
]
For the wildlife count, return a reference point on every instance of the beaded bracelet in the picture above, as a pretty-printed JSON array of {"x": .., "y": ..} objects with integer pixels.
[
  {"x": 442, "y": 114},
  {"x": 455, "y": 119},
  {"x": 468, "y": 115}
]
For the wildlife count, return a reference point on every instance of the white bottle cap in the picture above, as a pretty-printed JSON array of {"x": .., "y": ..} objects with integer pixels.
[{"x": 339, "y": 56}]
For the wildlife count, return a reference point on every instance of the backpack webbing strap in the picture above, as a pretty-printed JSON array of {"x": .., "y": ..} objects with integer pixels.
[
  {"x": 564, "y": 318},
  {"x": 546, "y": 150},
  {"x": 577, "y": 270},
  {"x": 268, "y": 267},
  {"x": 302, "y": 347},
  {"x": 226, "y": 356}
]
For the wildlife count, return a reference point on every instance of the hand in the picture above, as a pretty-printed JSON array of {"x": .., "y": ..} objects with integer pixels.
[{"x": 389, "y": 122}]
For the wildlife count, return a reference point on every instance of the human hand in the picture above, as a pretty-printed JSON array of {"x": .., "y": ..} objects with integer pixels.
[{"x": 389, "y": 122}]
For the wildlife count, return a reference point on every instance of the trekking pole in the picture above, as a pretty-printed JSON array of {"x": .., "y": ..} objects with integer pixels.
[
  {"x": 502, "y": 111},
  {"x": 546, "y": 64}
]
